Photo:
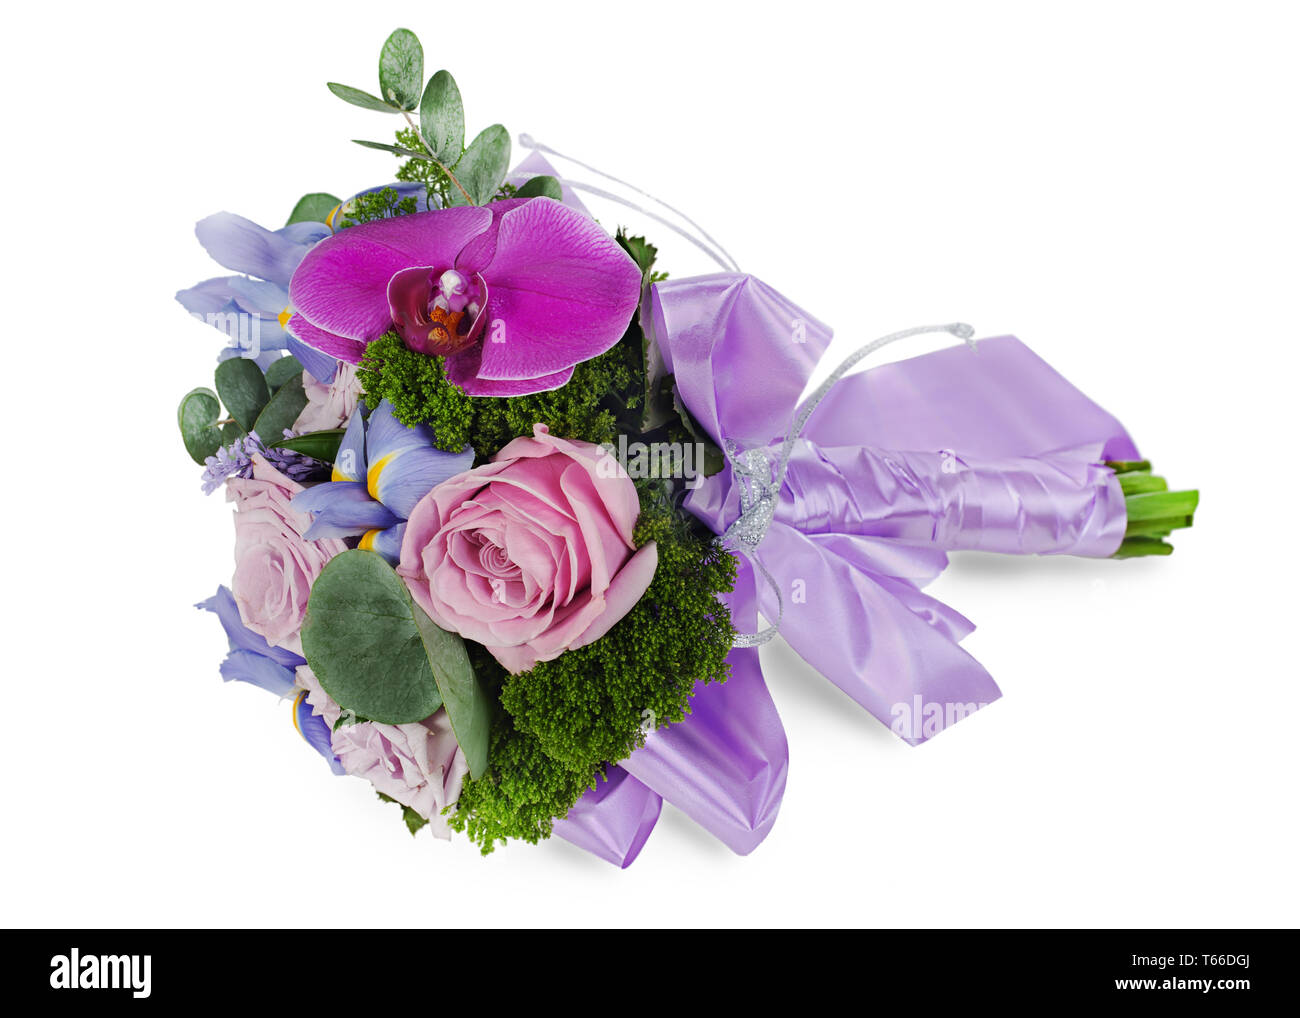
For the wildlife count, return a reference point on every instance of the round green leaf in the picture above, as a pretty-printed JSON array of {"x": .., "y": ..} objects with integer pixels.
[
  {"x": 280, "y": 413},
  {"x": 401, "y": 69},
  {"x": 361, "y": 640},
  {"x": 281, "y": 371},
  {"x": 541, "y": 187},
  {"x": 442, "y": 118},
  {"x": 242, "y": 389},
  {"x": 313, "y": 208},
  {"x": 483, "y": 166},
  {"x": 197, "y": 416},
  {"x": 359, "y": 98}
]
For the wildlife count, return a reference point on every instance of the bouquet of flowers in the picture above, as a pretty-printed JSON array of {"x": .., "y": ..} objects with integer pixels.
[{"x": 509, "y": 500}]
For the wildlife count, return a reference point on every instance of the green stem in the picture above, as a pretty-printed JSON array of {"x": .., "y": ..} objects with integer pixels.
[{"x": 1154, "y": 512}]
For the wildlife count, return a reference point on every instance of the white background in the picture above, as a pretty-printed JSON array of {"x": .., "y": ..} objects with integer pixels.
[{"x": 1114, "y": 183}]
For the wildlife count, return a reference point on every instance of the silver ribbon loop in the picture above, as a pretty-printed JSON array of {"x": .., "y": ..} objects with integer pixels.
[{"x": 760, "y": 484}]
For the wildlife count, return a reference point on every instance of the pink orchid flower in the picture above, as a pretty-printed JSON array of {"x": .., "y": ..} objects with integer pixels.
[{"x": 514, "y": 294}]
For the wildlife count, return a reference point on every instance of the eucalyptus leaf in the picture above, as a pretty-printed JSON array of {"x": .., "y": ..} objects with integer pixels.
[
  {"x": 468, "y": 707},
  {"x": 359, "y": 98},
  {"x": 483, "y": 166},
  {"x": 541, "y": 187},
  {"x": 396, "y": 149},
  {"x": 401, "y": 69},
  {"x": 313, "y": 208},
  {"x": 197, "y": 416},
  {"x": 231, "y": 432},
  {"x": 282, "y": 410},
  {"x": 282, "y": 371},
  {"x": 242, "y": 389},
  {"x": 361, "y": 639},
  {"x": 442, "y": 118},
  {"x": 319, "y": 445}
]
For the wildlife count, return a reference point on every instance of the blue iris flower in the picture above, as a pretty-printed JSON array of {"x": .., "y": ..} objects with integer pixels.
[
  {"x": 253, "y": 660},
  {"x": 382, "y": 469},
  {"x": 267, "y": 259}
]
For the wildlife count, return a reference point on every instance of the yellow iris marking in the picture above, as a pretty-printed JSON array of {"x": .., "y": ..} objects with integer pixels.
[
  {"x": 372, "y": 476},
  {"x": 297, "y": 702},
  {"x": 367, "y": 541},
  {"x": 329, "y": 219},
  {"x": 284, "y": 316},
  {"x": 338, "y": 475}
]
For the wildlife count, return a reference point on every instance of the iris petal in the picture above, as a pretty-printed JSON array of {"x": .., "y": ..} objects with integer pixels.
[
  {"x": 242, "y": 246},
  {"x": 341, "y": 509},
  {"x": 222, "y": 604},
  {"x": 388, "y": 543},
  {"x": 350, "y": 461},
  {"x": 386, "y": 435},
  {"x": 410, "y": 475},
  {"x": 258, "y": 670},
  {"x": 315, "y": 732}
]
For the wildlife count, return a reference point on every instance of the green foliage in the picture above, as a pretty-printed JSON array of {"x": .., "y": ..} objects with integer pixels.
[
  {"x": 412, "y": 819},
  {"x": 281, "y": 410},
  {"x": 243, "y": 390},
  {"x": 442, "y": 119},
  {"x": 286, "y": 369},
  {"x": 381, "y": 204},
  {"x": 565, "y": 719},
  {"x": 377, "y": 653},
  {"x": 401, "y": 69},
  {"x": 417, "y": 387},
  {"x": 357, "y": 97},
  {"x": 359, "y": 627},
  {"x": 322, "y": 446},
  {"x": 313, "y": 208},
  {"x": 437, "y": 184},
  {"x": 543, "y": 186},
  {"x": 197, "y": 416},
  {"x": 483, "y": 166}
]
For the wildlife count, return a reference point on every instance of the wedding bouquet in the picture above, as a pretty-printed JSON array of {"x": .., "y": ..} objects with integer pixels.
[{"x": 509, "y": 500}]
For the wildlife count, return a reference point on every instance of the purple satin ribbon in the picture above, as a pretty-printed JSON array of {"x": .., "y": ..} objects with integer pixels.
[{"x": 984, "y": 449}]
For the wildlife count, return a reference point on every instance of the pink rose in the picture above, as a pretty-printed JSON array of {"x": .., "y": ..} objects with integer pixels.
[
  {"x": 275, "y": 565},
  {"x": 329, "y": 404},
  {"x": 420, "y": 765},
  {"x": 530, "y": 555}
]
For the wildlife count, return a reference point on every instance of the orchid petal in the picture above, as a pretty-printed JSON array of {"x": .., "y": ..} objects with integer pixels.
[
  {"x": 563, "y": 291},
  {"x": 462, "y": 371},
  {"x": 341, "y": 287},
  {"x": 338, "y": 347}
]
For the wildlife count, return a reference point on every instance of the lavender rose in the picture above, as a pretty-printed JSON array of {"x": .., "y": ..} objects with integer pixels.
[
  {"x": 530, "y": 555},
  {"x": 420, "y": 765},
  {"x": 275, "y": 565}
]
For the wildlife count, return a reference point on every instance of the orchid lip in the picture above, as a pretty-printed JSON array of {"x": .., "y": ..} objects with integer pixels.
[{"x": 437, "y": 313}]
